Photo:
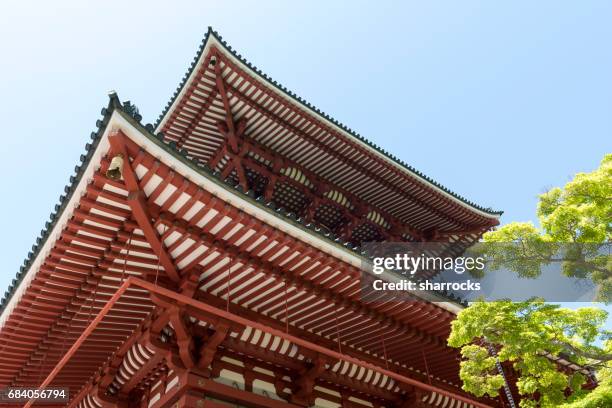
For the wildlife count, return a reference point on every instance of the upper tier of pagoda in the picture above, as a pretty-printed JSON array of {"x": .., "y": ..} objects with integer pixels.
[{"x": 261, "y": 137}]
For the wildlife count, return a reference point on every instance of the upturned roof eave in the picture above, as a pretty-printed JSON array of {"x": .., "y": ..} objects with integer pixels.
[
  {"x": 115, "y": 105},
  {"x": 212, "y": 37}
]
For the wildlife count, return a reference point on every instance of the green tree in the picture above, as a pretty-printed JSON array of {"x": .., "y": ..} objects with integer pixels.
[
  {"x": 576, "y": 231},
  {"x": 532, "y": 336}
]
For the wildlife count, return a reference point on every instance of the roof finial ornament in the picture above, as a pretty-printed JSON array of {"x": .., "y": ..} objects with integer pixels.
[{"x": 113, "y": 99}]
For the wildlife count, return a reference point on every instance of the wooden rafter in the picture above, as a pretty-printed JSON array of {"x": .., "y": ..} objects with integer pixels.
[{"x": 174, "y": 297}]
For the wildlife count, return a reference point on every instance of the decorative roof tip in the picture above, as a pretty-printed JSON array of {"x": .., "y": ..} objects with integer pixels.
[{"x": 113, "y": 100}]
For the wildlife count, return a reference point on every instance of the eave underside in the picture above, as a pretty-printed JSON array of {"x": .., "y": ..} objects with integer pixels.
[
  {"x": 254, "y": 269},
  {"x": 220, "y": 87}
]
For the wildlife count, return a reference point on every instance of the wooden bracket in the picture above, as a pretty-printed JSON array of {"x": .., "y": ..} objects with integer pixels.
[
  {"x": 209, "y": 348},
  {"x": 140, "y": 211},
  {"x": 306, "y": 382}
]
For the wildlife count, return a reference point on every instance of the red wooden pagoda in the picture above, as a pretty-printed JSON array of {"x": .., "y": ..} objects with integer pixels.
[{"x": 213, "y": 260}]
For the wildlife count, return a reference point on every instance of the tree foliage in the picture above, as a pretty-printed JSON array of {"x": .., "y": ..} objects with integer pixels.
[
  {"x": 532, "y": 336},
  {"x": 576, "y": 231}
]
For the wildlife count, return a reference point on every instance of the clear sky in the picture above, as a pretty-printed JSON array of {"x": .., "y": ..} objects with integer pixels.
[{"x": 498, "y": 101}]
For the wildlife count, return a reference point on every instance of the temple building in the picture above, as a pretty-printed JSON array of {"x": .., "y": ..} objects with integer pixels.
[{"x": 214, "y": 260}]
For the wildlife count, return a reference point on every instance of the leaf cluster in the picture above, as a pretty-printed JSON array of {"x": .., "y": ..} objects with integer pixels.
[
  {"x": 576, "y": 232},
  {"x": 531, "y": 337}
]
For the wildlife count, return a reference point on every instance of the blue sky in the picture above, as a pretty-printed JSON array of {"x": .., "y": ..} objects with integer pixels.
[{"x": 497, "y": 101}]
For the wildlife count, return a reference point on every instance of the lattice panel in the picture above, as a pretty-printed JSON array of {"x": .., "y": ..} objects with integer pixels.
[
  {"x": 289, "y": 197},
  {"x": 366, "y": 232},
  {"x": 256, "y": 182},
  {"x": 329, "y": 216}
]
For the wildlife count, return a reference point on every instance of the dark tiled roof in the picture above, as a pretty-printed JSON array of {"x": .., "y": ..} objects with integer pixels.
[{"x": 211, "y": 33}]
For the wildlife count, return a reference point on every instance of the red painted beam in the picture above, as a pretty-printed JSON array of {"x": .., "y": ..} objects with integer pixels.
[
  {"x": 137, "y": 202},
  {"x": 182, "y": 300}
]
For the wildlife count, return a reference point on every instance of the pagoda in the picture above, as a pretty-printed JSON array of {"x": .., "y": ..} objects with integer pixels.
[{"x": 213, "y": 260}]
